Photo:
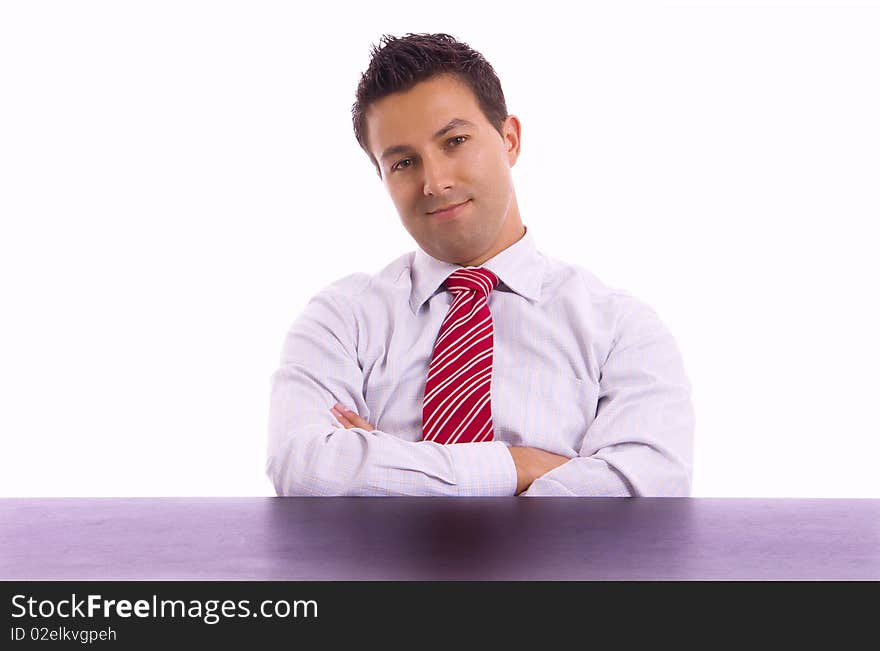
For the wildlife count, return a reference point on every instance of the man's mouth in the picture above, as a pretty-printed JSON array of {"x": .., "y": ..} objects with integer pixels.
[{"x": 449, "y": 210}]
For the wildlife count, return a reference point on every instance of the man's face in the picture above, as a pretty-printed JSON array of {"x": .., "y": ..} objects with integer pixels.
[{"x": 436, "y": 149}]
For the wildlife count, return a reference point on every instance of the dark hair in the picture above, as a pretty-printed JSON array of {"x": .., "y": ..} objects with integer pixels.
[{"x": 398, "y": 64}]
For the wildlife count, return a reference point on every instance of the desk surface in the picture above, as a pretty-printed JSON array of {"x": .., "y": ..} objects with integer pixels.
[{"x": 505, "y": 538}]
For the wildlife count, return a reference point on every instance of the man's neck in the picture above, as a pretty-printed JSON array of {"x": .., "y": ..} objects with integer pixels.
[{"x": 494, "y": 251}]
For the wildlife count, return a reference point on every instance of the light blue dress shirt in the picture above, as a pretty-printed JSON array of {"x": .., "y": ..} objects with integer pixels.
[{"x": 579, "y": 369}]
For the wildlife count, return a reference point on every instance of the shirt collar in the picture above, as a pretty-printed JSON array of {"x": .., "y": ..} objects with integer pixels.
[{"x": 520, "y": 267}]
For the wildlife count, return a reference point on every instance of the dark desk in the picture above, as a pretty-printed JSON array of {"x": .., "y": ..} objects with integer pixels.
[{"x": 438, "y": 538}]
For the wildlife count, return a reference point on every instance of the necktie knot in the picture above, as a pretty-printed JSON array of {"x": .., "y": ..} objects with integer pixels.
[{"x": 476, "y": 279}]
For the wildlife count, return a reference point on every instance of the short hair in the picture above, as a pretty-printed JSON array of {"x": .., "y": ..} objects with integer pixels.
[{"x": 398, "y": 64}]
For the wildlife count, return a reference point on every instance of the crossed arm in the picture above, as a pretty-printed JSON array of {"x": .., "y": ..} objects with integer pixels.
[{"x": 530, "y": 463}]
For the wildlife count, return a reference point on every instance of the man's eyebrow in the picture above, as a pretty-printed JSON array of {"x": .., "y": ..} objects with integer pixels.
[{"x": 454, "y": 123}]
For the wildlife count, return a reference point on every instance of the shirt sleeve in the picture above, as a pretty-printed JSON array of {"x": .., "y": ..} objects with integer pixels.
[
  {"x": 641, "y": 441},
  {"x": 310, "y": 453}
]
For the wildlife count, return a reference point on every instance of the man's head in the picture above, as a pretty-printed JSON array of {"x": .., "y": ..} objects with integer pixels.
[{"x": 431, "y": 116}]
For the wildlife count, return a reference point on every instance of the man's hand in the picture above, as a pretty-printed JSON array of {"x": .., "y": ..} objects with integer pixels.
[
  {"x": 349, "y": 419},
  {"x": 531, "y": 463}
]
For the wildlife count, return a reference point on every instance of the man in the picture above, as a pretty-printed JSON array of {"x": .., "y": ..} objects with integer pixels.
[{"x": 474, "y": 365}]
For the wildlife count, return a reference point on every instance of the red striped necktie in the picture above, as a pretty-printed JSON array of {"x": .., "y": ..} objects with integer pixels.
[{"x": 457, "y": 407}]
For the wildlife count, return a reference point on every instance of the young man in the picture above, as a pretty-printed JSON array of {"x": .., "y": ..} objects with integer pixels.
[{"x": 475, "y": 365}]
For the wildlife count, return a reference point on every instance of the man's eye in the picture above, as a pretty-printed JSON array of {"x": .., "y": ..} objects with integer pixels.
[{"x": 407, "y": 162}]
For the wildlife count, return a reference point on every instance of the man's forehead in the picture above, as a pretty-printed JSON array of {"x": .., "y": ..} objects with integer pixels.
[{"x": 420, "y": 112}]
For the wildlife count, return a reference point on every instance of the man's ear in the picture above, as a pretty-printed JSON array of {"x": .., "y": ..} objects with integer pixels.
[{"x": 511, "y": 132}]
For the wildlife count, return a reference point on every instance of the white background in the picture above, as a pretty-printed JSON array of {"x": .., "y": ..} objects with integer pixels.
[{"x": 177, "y": 179}]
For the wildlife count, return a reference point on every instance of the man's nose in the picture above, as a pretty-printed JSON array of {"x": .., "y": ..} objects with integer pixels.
[{"x": 437, "y": 175}]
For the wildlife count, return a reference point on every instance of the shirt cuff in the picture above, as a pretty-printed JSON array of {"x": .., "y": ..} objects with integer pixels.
[
  {"x": 483, "y": 469},
  {"x": 580, "y": 477}
]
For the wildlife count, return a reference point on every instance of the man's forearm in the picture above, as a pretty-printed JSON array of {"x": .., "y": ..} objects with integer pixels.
[
  {"x": 530, "y": 463},
  {"x": 358, "y": 459},
  {"x": 581, "y": 477}
]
